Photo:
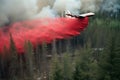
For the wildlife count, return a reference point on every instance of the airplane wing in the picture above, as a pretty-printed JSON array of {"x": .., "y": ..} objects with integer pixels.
[{"x": 76, "y": 16}]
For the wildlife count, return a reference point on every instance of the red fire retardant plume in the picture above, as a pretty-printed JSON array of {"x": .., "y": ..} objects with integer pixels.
[{"x": 40, "y": 30}]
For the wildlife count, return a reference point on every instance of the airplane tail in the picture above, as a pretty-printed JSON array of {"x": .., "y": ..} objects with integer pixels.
[{"x": 67, "y": 13}]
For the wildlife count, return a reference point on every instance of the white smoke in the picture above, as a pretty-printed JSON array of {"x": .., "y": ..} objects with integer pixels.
[
  {"x": 112, "y": 6},
  {"x": 45, "y": 12},
  {"x": 17, "y": 10},
  {"x": 72, "y": 5},
  {"x": 91, "y": 5}
]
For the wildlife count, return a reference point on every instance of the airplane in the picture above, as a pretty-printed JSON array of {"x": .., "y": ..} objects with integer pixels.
[{"x": 68, "y": 14}]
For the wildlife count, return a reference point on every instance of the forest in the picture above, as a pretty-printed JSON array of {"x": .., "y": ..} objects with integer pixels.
[{"x": 92, "y": 55}]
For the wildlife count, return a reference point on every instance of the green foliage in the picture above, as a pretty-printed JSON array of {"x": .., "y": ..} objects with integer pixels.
[
  {"x": 56, "y": 72},
  {"x": 110, "y": 59},
  {"x": 86, "y": 67},
  {"x": 68, "y": 66},
  {"x": 29, "y": 59},
  {"x": 116, "y": 60},
  {"x": 62, "y": 69},
  {"x": 13, "y": 60},
  {"x": 99, "y": 29}
]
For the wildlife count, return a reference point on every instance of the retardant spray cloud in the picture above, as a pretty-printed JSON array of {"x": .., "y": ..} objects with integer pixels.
[{"x": 28, "y": 20}]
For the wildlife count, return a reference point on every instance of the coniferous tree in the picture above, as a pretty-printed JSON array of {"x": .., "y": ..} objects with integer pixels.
[
  {"x": 116, "y": 60},
  {"x": 56, "y": 72},
  {"x": 45, "y": 70},
  {"x": 110, "y": 60},
  {"x": 29, "y": 59},
  {"x": 67, "y": 64},
  {"x": 4, "y": 64},
  {"x": 86, "y": 67},
  {"x": 13, "y": 60},
  {"x": 38, "y": 58}
]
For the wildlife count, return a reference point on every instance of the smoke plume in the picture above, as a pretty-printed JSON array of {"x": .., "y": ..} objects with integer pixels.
[
  {"x": 72, "y": 5},
  {"x": 18, "y": 10},
  {"x": 15, "y": 10},
  {"x": 112, "y": 6}
]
